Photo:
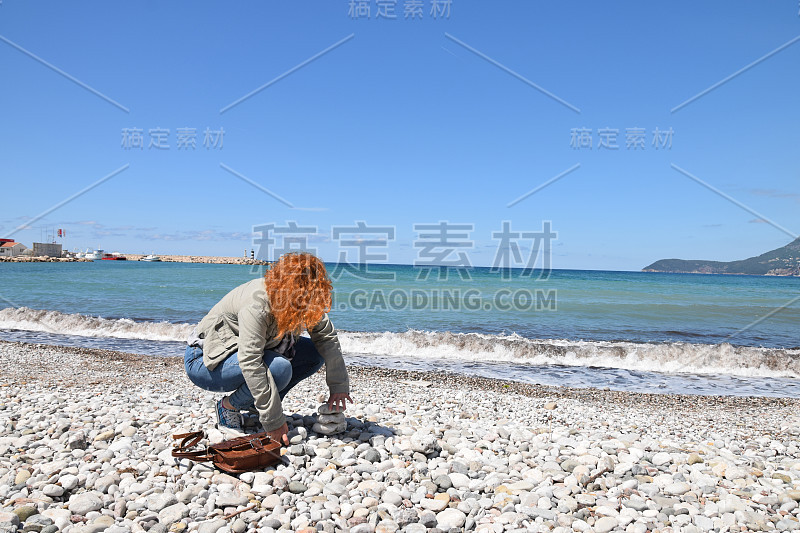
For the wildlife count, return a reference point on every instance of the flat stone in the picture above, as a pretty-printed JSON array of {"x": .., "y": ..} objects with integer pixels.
[
  {"x": 386, "y": 526},
  {"x": 694, "y": 458},
  {"x": 323, "y": 409},
  {"x": 60, "y": 517},
  {"x": 605, "y": 524},
  {"x": 782, "y": 477},
  {"x": 330, "y": 429},
  {"x": 271, "y": 501},
  {"x": 459, "y": 467},
  {"x": 295, "y": 487},
  {"x": 703, "y": 522},
  {"x": 568, "y": 465},
  {"x": 450, "y": 518},
  {"x": 372, "y": 455},
  {"x": 211, "y": 526},
  {"x": 636, "y": 505},
  {"x": 392, "y": 497},
  {"x": 105, "y": 435},
  {"x": 77, "y": 442},
  {"x": 434, "y": 505},
  {"x": 677, "y": 489},
  {"x": 22, "y": 476},
  {"x": 103, "y": 520},
  {"x": 735, "y": 472},
  {"x": 120, "y": 508},
  {"x": 605, "y": 510},
  {"x": 173, "y": 513},
  {"x": 272, "y": 522},
  {"x": 336, "y": 489},
  {"x": 280, "y": 482},
  {"x": 239, "y": 526},
  {"x": 105, "y": 482},
  {"x": 662, "y": 502},
  {"x": 24, "y": 512},
  {"x": 538, "y": 512},
  {"x": 68, "y": 481},
  {"x": 337, "y": 418},
  {"x": 83, "y": 503},
  {"x": 661, "y": 458},
  {"x": 53, "y": 491},
  {"x": 444, "y": 482},
  {"x": 459, "y": 481},
  {"x": 159, "y": 500},
  {"x": 520, "y": 486},
  {"x": 37, "y": 523},
  {"x": 423, "y": 444},
  {"x": 125, "y": 444},
  {"x": 230, "y": 499}
]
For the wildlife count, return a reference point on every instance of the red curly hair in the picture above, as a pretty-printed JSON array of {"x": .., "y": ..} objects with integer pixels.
[{"x": 299, "y": 291}]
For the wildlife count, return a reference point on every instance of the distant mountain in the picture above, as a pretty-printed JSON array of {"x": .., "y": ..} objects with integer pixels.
[{"x": 784, "y": 261}]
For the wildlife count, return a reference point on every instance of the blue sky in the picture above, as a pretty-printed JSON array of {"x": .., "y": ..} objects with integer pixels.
[{"x": 407, "y": 121}]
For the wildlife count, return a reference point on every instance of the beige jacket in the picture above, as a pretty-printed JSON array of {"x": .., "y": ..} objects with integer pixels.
[{"x": 242, "y": 322}]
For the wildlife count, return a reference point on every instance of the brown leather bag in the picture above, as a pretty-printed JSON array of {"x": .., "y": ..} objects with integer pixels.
[{"x": 242, "y": 454}]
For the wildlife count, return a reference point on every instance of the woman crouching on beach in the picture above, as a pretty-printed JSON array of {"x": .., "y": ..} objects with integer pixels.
[{"x": 249, "y": 344}]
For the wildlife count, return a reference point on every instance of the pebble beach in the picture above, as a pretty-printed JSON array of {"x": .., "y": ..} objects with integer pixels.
[{"x": 86, "y": 436}]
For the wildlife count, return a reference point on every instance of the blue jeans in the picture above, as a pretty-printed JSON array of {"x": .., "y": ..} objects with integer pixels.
[{"x": 227, "y": 376}]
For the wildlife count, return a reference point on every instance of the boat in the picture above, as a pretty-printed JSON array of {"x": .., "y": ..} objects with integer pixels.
[
  {"x": 151, "y": 258},
  {"x": 94, "y": 255},
  {"x": 115, "y": 256}
]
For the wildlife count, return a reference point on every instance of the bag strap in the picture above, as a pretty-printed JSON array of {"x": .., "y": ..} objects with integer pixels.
[{"x": 190, "y": 440}]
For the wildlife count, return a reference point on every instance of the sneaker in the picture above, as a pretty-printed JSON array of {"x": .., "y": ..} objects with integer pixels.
[{"x": 228, "y": 418}]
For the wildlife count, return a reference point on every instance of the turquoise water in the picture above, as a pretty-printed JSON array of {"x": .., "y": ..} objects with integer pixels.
[
  {"x": 590, "y": 305},
  {"x": 518, "y": 326}
]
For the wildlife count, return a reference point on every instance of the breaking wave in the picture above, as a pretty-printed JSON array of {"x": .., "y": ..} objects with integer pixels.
[
  {"x": 659, "y": 357},
  {"x": 432, "y": 346},
  {"x": 90, "y": 326}
]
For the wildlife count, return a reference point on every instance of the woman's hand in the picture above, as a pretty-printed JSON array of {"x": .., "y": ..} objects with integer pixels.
[
  {"x": 338, "y": 401},
  {"x": 280, "y": 435}
]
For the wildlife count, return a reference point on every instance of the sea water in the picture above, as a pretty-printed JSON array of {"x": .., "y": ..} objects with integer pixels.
[{"x": 682, "y": 333}]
